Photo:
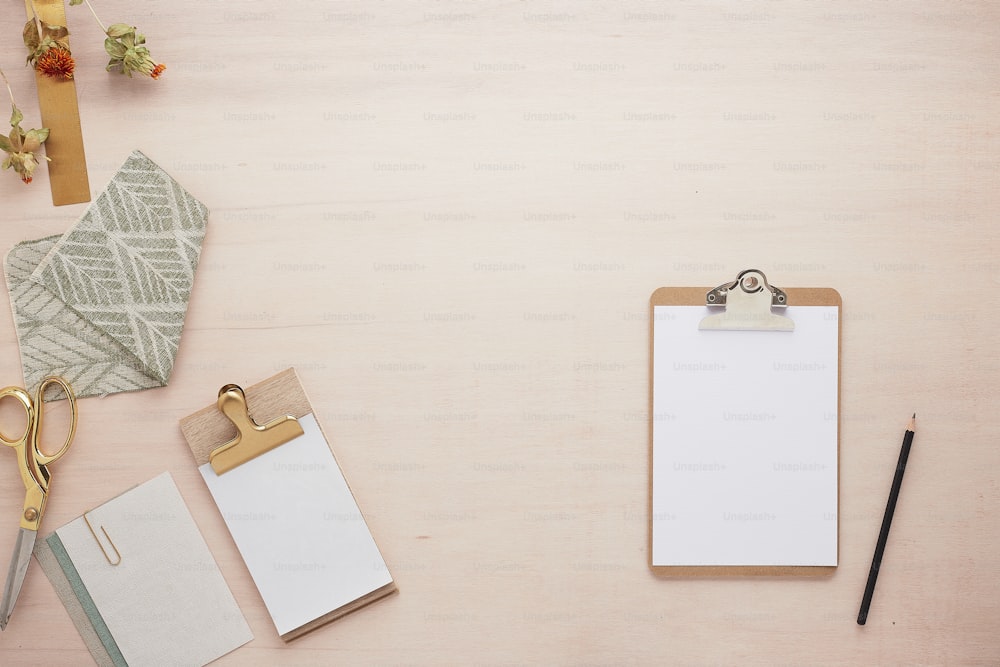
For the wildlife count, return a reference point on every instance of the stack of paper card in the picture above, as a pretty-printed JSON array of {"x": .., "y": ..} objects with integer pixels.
[
  {"x": 140, "y": 583},
  {"x": 292, "y": 514}
]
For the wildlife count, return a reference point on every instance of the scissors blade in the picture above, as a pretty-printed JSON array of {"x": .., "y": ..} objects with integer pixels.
[{"x": 15, "y": 575}]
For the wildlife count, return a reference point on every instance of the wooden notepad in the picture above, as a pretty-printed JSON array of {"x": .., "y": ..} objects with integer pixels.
[
  {"x": 290, "y": 511},
  {"x": 744, "y": 430}
]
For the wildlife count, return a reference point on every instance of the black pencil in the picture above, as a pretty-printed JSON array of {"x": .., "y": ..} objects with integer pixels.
[{"x": 890, "y": 507}]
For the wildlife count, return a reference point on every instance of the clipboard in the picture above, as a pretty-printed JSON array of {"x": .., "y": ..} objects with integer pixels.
[
  {"x": 287, "y": 504},
  {"x": 744, "y": 429}
]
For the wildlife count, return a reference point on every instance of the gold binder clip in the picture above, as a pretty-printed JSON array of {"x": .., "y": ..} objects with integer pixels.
[
  {"x": 251, "y": 439},
  {"x": 101, "y": 544},
  {"x": 747, "y": 301}
]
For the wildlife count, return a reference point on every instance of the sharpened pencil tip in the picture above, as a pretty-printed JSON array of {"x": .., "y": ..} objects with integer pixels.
[{"x": 913, "y": 422}]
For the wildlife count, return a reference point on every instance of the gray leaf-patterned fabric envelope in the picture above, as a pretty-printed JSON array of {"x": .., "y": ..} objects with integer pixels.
[{"x": 104, "y": 304}]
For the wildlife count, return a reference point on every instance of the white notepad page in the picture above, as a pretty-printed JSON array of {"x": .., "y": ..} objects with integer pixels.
[
  {"x": 299, "y": 529},
  {"x": 744, "y": 461},
  {"x": 166, "y": 602}
]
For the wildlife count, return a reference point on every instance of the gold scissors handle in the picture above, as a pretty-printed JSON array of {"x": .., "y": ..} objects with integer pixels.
[
  {"x": 41, "y": 457},
  {"x": 30, "y": 457},
  {"x": 24, "y": 398}
]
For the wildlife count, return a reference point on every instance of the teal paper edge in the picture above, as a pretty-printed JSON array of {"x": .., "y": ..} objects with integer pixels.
[{"x": 87, "y": 602}]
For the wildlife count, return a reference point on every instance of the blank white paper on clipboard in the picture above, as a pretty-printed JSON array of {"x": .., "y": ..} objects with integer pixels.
[
  {"x": 299, "y": 530},
  {"x": 287, "y": 505},
  {"x": 744, "y": 440}
]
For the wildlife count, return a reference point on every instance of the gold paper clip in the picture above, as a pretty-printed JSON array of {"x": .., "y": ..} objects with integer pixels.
[
  {"x": 101, "y": 544},
  {"x": 251, "y": 439}
]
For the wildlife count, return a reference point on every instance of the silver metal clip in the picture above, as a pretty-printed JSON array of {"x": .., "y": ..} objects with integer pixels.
[{"x": 747, "y": 301}]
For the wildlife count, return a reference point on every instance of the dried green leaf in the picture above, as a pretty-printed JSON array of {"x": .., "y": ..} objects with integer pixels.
[
  {"x": 32, "y": 141},
  {"x": 5, "y": 144},
  {"x": 43, "y": 134},
  {"x": 117, "y": 30},
  {"x": 115, "y": 48},
  {"x": 30, "y": 35},
  {"x": 73, "y": 3},
  {"x": 54, "y": 32},
  {"x": 15, "y": 116},
  {"x": 15, "y": 140}
]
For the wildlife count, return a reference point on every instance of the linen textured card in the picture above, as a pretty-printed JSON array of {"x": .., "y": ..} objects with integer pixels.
[
  {"x": 291, "y": 513},
  {"x": 744, "y": 441},
  {"x": 104, "y": 304},
  {"x": 164, "y": 602}
]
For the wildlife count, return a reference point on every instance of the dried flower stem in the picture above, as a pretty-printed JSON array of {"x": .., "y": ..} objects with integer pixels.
[
  {"x": 9, "y": 91},
  {"x": 103, "y": 28},
  {"x": 38, "y": 20}
]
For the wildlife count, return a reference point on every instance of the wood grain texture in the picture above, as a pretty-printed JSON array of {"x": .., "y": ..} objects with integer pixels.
[{"x": 449, "y": 217}]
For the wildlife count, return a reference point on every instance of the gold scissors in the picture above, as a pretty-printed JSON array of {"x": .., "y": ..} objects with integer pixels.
[{"x": 33, "y": 463}]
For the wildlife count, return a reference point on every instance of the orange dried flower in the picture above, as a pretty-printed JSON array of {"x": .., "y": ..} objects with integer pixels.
[
  {"x": 56, "y": 63},
  {"x": 157, "y": 71}
]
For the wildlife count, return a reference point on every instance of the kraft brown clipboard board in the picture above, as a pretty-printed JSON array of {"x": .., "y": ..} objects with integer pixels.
[{"x": 709, "y": 470}]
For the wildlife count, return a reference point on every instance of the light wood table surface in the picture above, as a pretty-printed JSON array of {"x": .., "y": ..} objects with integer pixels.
[{"x": 449, "y": 218}]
